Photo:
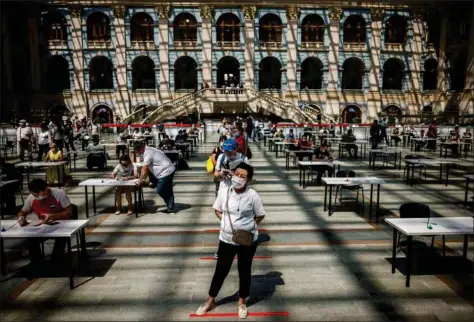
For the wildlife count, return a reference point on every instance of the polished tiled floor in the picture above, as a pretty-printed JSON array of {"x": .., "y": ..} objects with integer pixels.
[{"x": 309, "y": 265}]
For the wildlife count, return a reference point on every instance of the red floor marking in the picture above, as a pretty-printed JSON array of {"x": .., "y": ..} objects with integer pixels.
[
  {"x": 235, "y": 314},
  {"x": 255, "y": 257}
]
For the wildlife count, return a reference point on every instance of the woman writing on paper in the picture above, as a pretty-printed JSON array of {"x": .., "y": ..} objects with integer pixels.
[{"x": 124, "y": 171}]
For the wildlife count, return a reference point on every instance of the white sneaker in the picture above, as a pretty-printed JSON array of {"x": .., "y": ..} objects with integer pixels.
[
  {"x": 206, "y": 307},
  {"x": 216, "y": 256},
  {"x": 243, "y": 312}
]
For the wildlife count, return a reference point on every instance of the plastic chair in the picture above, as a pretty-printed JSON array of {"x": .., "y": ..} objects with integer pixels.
[
  {"x": 351, "y": 187},
  {"x": 416, "y": 166},
  {"x": 417, "y": 210}
]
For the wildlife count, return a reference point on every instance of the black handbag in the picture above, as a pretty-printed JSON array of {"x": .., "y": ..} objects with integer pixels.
[{"x": 239, "y": 236}]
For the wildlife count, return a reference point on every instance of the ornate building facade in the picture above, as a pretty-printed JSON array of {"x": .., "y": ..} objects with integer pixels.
[{"x": 107, "y": 60}]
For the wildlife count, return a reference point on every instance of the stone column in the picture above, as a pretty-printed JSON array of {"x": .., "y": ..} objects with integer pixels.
[
  {"x": 375, "y": 81},
  {"x": 249, "y": 47},
  {"x": 441, "y": 86},
  {"x": 163, "y": 29},
  {"x": 79, "y": 97},
  {"x": 206, "y": 15},
  {"x": 292, "y": 14},
  {"x": 33, "y": 45},
  {"x": 333, "y": 59},
  {"x": 122, "y": 100},
  {"x": 415, "y": 66}
]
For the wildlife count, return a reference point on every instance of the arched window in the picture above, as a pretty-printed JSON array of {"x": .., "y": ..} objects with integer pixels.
[
  {"x": 57, "y": 79},
  {"x": 270, "y": 31},
  {"x": 102, "y": 114},
  {"x": 311, "y": 74},
  {"x": 143, "y": 73},
  {"x": 228, "y": 30},
  {"x": 393, "y": 74},
  {"x": 352, "y": 74},
  {"x": 433, "y": 28},
  {"x": 351, "y": 114},
  {"x": 185, "y": 30},
  {"x": 54, "y": 28},
  {"x": 98, "y": 27},
  {"x": 142, "y": 27},
  {"x": 185, "y": 74},
  {"x": 458, "y": 28},
  {"x": 354, "y": 29},
  {"x": 101, "y": 73},
  {"x": 457, "y": 71},
  {"x": 312, "y": 28},
  {"x": 393, "y": 110},
  {"x": 57, "y": 111},
  {"x": 269, "y": 75},
  {"x": 430, "y": 75},
  {"x": 395, "y": 30},
  {"x": 228, "y": 71}
]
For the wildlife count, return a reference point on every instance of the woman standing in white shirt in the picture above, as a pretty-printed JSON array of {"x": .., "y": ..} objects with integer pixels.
[
  {"x": 44, "y": 140},
  {"x": 240, "y": 210}
]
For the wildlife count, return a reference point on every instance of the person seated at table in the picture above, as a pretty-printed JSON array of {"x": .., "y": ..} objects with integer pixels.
[
  {"x": 137, "y": 134},
  {"x": 395, "y": 136},
  {"x": 96, "y": 156},
  {"x": 124, "y": 171},
  {"x": 321, "y": 153},
  {"x": 350, "y": 137},
  {"x": 467, "y": 139},
  {"x": 375, "y": 136},
  {"x": 49, "y": 205},
  {"x": 148, "y": 135},
  {"x": 307, "y": 130},
  {"x": 84, "y": 134},
  {"x": 290, "y": 137},
  {"x": 55, "y": 155},
  {"x": 273, "y": 130},
  {"x": 8, "y": 172},
  {"x": 279, "y": 135},
  {"x": 181, "y": 137},
  {"x": 304, "y": 144},
  {"x": 167, "y": 143},
  {"x": 454, "y": 138},
  {"x": 121, "y": 144}
]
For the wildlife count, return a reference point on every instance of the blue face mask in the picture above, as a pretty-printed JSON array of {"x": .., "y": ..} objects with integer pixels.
[{"x": 236, "y": 135}]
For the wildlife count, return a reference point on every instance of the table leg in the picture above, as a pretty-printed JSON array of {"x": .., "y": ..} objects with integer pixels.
[
  {"x": 304, "y": 177},
  {"x": 409, "y": 259},
  {"x": 287, "y": 157},
  {"x": 339, "y": 152},
  {"x": 71, "y": 268},
  {"x": 59, "y": 176},
  {"x": 412, "y": 174},
  {"x": 82, "y": 236},
  {"x": 441, "y": 151},
  {"x": 447, "y": 174},
  {"x": 330, "y": 200},
  {"x": 370, "y": 201},
  {"x": 136, "y": 201},
  {"x": 466, "y": 191},
  {"x": 301, "y": 171},
  {"x": 27, "y": 175},
  {"x": 325, "y": 196},
  {"x": 464, "y": 247},
  {"x": 87, "y": 201},
  {"x": 94, "y": 206},
  {"x": 394, "y": 249},
  {"x": 377, "y": 205},
  {"x": 400, "y": 161},
  {"x": 3, "y": 258}
]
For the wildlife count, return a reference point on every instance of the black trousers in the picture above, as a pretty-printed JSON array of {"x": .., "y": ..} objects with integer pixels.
[
  {"x": 35, "y": 251},
  {"x": 320, "y": 169},
  {"x": 42, "y": 151},
  {"x": 70, "y": 142},
  {"x": 350, "y": 147},
  {"x": 120, "y": 150},
  {"x": 226, "y": 253},
  {"x": 84, "y": 144},
  {"x": 59, "y": 144}
]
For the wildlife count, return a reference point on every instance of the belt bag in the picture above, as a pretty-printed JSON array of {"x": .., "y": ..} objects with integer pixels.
[{"x": 239, "y": 236}]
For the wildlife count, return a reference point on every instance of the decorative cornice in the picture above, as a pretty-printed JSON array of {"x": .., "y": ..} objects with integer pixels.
[
  {"x": 335, "y": 13},
  {"x": 249, "y": 12},
  {"x": 377, "y": 14},
  {"x": 163, "y": 11},
  {"x": 76, "y": 11},
  {"x": 119, "y": 11},
  {"x": 206, "y": 11},
  {"x": 292, "y": 12}
]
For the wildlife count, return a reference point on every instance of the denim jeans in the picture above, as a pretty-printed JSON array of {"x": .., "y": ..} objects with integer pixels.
[{"x": 164, "y": 188}]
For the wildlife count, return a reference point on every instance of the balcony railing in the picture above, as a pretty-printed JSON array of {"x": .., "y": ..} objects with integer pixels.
[
  {"x": 356, "y": 46},
  {"x": 143, "y": 44},
  {"x": 394, "y": 46},
  {"x": 185, "y": 43},
  {"x": 312, "y": 45},
  {"x": 228, "y": 44},
  {"x": 57, "y": 43},
  {"x": 99, "y": 44},
  {"x": 271, "y": 44}
]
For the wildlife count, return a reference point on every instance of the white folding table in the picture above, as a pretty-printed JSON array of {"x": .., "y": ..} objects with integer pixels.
[
  {"x": 432, "y": 162},
  {"x": 420, "y": 227},
  {"x": 28, "y": 165},
  {"x": 63, "y": 229},
  {"x": 469, "y": 178},
  {"x": 331, "y": 182},
  {"x": 303, "y": 165},
  {"x": 104, "y": 182}
]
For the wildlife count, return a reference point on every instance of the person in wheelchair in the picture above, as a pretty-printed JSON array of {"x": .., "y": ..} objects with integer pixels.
[
  {"x": 321, "y": 153},
  {"x": 96, "y": 157}
]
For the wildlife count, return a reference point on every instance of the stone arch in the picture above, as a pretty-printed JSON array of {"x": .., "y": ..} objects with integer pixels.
[
  {"x": 101, "y": 73},
  {"x": 354, "y": 29},
  {"x": 57, "y": 110},
  {"x": 311, "y": 74},
  {"x": 185, "y": 28},
  {"x": 141, "y": 27},
  {"x": 185, "y": 73},
  {"x": 270, "y": 29},
  {"x": 396, "y": 30},
  {"x": 143, "y": 73},
  {"x": 228, "y": 71},
  {"x": 57, "y": 74},
  {"x": 312, "y": 29},
  {"x": 98, "y": 27},
  {"x": 351, "y": 112},
  {"x": 102, "y": 113},
  {"x": 269, "y": 73},
  {"x": 393, "y": 71},
  {"x": 228, "y": 29},
  {"x": 430, "y": 75},
  {"x": 353, "y": 73}
]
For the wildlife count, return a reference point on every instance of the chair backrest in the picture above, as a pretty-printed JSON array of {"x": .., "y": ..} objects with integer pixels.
[
  {"x": 345, "y": 173},
  {"x": 75, "y": 212},
  {"x": 412, "y": 156},
  {"x": 415, "y": 210}
]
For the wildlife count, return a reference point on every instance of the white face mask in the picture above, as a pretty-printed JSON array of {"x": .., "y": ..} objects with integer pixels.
[
  {"x": 238, "y": 183},
  {"x": 39, "y": 198}
]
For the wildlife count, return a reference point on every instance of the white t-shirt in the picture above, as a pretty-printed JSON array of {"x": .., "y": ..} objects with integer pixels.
[
  {"x": 24, "y": 133},
  {"x": 124, "y": 172},
  {"x": 57, "y": 194},
  {"x": 44, "y": 138},
  {"x": 243, "y": 209},
  {"x": 158, "y": 162}
]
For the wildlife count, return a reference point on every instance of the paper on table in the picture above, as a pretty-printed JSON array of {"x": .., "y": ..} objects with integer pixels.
[{"x": 40, "y": 229}]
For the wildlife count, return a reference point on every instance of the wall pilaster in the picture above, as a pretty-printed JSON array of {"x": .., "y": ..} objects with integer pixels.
[
  {"x": 79, "y": 99},
  {"x": 206, "y": 15},
  {"x": 333, "y": 59},
  {"x": 163, "y": 28},
  {"x": 291, "y": 65},
  {"x": 415, "y": 64},
  {"x": 122, "y": 99},
  {"x": 441, "y": 87},
  {"x": 33, "y": 44},
  {"x": 249, "y": 45}
]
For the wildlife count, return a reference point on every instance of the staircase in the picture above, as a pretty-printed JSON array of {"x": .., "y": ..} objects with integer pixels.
[{"x": 179, "y": 105}]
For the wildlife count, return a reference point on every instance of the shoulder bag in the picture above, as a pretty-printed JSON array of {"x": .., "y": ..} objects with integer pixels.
[{"x": 239, "y": 236}]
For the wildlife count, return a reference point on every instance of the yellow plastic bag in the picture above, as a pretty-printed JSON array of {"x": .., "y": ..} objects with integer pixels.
[{"x": 210, "y": 166}]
